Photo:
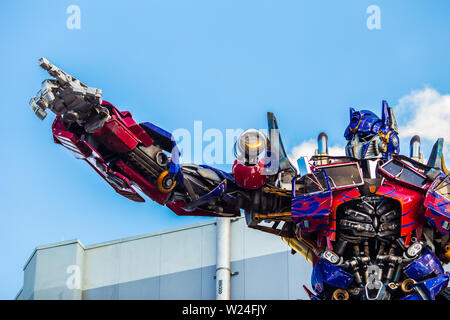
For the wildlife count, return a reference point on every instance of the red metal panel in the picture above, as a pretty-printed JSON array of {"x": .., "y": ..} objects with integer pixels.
[
  {"x": 437, "y": 210},
  {"x": 412, "y": 208},
  {"x": 249, "y": 177},
  {"x": 121, "y": 133},
  {"x": 340, "y": 197},
  {"x": 145, "y": 185},
  {"x": 82, "y": 150},
  {"x": 115, "y": 136}
]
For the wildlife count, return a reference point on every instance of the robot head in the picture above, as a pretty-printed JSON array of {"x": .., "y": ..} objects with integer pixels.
[{"x": 370, "y": 137}]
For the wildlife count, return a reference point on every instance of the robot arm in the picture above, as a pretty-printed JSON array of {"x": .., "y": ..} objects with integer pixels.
[{"x": 140, "y": 160}]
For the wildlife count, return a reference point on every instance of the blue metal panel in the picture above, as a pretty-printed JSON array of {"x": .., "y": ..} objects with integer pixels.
[
  {"x": 325, "y": 272},
  {"x": 221, "y": 173},
  {"x": 213, "y": 194},
  {"x": 431, "y": 287},
  {"x": 413, "y": 296},
  {"x": 424, "y": 266}
]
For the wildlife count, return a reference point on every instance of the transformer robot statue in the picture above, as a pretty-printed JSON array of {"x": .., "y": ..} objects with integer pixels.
[{"x": 374, "y": 224}]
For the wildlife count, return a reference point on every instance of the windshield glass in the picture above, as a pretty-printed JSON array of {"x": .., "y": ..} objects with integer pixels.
[
  {"x": 403, "y": 173},
  {"x": 310, "y": 183},
  {"x": 344, "y": 175}
]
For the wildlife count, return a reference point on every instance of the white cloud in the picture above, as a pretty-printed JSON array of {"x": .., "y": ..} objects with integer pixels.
[
  {"x": 422, "y": 112},
  {"x": 426, "y": 113}
]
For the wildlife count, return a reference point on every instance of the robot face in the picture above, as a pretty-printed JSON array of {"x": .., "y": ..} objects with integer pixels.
[
  {"x": 369, "y": 149},
  {"x": 370, "y": 137}
]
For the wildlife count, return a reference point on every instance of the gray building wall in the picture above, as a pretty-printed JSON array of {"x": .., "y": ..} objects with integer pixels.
[{"x": 172, "y": 264}]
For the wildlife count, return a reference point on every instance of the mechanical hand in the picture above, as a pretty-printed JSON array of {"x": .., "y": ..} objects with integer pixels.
[{"x": 69, "y": 98}]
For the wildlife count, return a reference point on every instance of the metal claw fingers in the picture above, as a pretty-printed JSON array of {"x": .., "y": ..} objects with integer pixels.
[
  {"x": 66, "y": 96},
  {"x": 38, "y": 110}
]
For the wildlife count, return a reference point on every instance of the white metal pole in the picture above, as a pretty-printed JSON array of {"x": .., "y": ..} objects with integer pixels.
[{"x": 223, "y": 271}]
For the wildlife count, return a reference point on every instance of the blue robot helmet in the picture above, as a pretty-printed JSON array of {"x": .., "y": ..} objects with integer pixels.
[{"x": 370, "y": 137}]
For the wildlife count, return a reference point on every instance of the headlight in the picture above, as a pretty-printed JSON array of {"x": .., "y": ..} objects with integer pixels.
[{"x": 250, "y": 146}]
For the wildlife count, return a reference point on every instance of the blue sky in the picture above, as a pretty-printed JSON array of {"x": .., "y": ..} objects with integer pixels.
[{"x": 173, "y": 62}]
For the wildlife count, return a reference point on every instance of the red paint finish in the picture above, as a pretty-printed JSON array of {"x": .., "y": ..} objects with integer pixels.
[
  {"x": 340, "y": 197},
  {"x": 438, "y": 211},
  {"x": 249, "y": 177},
  {"x": 313, "y": 209},
  {"x": 148, "y": 188},
  {"x": 82, "y": 150},
  {"x": 127, "y": 119},
  {"x": 412, "y": 210},
  {"x": 405, "y": 184},
  {"x": 115, "y": 136},
  {"x": 121, "y": 133},
  {"x": 411, "y": 202}
]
